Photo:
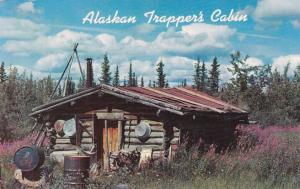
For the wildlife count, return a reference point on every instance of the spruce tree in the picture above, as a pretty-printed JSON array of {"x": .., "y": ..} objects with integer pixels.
[
  {"x": 142, "y": 81},
  {"x": 133, "y": 80},
  {"x": 136, "y": 81},
  {"x": 214, "y": 76},
  {"x": 184, "y": 84},
  {"x": 150, "y": 83},
  {"x": 154, "y": 84},
  {"x": 82, "y": 82},
  {"x": 197, "y": 75},
  {"x": 240, "y": 70},
  {"x": 167, "y": 84},
  {"x": 70, "y": 87},
  {"x": 116, "y": 79},
  {"x": 130, "y": 75},
  {"x": 105, "y": 71},
  {"x": 161, "y": 76},
  {"x": 124, "y": 82},
  {"x": 3, "y": 76},
  {"x": 203, "y": 77}
]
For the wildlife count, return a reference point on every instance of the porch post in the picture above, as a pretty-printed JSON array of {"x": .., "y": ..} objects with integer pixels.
[{"x": 168, "y": 136}]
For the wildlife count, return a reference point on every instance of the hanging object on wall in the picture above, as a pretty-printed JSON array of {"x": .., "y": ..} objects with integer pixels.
[
  {"x": 143, "y": 131},
  {"x": 70, "y": 127},
  {"x": 59, "y": 127}
]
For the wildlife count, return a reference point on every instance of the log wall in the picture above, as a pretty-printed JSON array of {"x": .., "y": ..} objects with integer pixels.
[
  {"x": 63, "y": 143},
  {"x": 155, "y": 142}
]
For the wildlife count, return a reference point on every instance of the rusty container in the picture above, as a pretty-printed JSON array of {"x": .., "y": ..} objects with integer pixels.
[
  {"x": 29, "y": 158},
  {"x": 76, "y": 171}
]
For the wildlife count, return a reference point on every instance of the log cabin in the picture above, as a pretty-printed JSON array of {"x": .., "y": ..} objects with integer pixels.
[{"x": 109, "y": 119}]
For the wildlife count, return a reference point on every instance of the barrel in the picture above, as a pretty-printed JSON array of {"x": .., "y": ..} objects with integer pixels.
[
  {"x": 76, "y": 171},
  {"x": 29, "y": 158}
]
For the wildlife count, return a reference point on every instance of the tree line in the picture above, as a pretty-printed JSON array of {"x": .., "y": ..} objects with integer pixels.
[{"x": 271, "y": 97}]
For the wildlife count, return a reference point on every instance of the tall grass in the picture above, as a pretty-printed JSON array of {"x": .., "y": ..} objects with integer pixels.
[{"x": 262, "y": 158}]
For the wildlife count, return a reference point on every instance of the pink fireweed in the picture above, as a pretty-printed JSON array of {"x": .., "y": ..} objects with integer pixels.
[{"x": 9, "y": 148}]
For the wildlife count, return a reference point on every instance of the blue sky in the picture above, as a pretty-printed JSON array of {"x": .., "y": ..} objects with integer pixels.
[{"x": 37, "y": 36}]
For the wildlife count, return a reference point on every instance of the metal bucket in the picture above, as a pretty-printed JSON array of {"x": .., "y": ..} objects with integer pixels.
[
  {"x": 143, "y": 131},
  {"x": 29, "y": 158},
  {"x": 70, "y": 127},
  {"x": 76, "y": 171}
]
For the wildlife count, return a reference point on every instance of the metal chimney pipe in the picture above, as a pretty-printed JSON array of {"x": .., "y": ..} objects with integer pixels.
[{"x": 89, "y": 73}]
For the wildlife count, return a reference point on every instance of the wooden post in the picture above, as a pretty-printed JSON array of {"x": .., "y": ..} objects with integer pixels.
[
  {"x": 168, "y": 136},
  {"x": 106, "y": 163},
  {"x": 78, "y": 131},
  {"x": 120, "y": 133}
]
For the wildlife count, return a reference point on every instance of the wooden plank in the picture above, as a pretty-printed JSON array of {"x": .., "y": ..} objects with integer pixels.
[
  {"x": 185, "y": 100},
  {"x": 110, "y": 115}
]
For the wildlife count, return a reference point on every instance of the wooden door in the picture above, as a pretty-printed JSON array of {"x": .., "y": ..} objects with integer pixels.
[{"x": 110, "y": 142}]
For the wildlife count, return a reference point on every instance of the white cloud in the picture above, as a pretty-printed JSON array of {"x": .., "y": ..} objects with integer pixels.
[
  {"x": 107, "y": 40},
  {"x": 177, "y": 68},
  {"x": 280, "y": 63},
  {"x": 276, "y": 8},
  {"x": 49, "y": 62},
  {"x": 252, "y": 61},
  {"x": 193, "y": 40},
  {"x": 62, "y": 41},
  {"x": 295, "y": 23},
  {"x": 225, "y": 75},
  {"x": 13, "y": 28},
  {"x": 27, "y": 7},
  {"x": 175, "y": 48},
  {"x": 35, "y": 73},
  {"x": 145, "y": 28}
]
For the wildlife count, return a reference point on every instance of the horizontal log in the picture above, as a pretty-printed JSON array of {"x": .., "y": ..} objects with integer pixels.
[
  {"x": 153, "y": 128},
  {"x": 151, "y": 141},
  {"x": 68, "y": 147},
  {"x": 139, "y": 147},
  {"x": 84, "y": 135},
  {"x": 153, "y": 134},
  {"x": 67, "y": 140},
  {"x": 64, "y": 147},
  {"x": 151, "y": 124},
  {"x": 110, "y": 116}
]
